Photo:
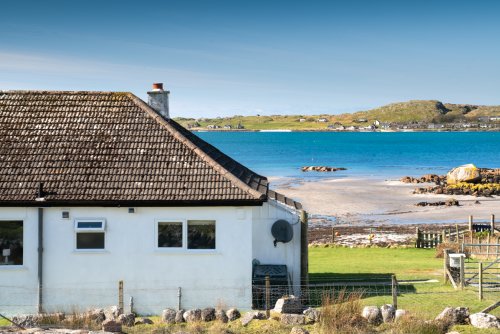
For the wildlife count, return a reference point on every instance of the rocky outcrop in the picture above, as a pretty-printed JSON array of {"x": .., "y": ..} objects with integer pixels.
[
  {"x": 429, "y": 178},
  {"x": 466, "y": 173},
  {"x": 450, "y": 202},
  {"x": 144, "y": 321},
  {"x": 484, "y": 320},
  {"x": 321, "y": 169}
]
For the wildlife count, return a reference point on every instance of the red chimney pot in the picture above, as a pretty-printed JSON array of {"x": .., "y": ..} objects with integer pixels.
[{"x": 158, "y": 85}]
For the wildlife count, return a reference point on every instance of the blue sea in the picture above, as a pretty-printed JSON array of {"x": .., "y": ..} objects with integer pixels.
[{"x": 364, "y": 154}]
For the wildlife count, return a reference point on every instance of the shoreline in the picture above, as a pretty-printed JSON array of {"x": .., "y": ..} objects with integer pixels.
[{"x": 377, "y": 201}]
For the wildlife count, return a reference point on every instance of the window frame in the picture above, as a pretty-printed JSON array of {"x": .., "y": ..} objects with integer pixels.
[
  {"x": 78, "y": 230},
  {"x": 14, "y": 266},
  {"x": 184, "y": 249}
]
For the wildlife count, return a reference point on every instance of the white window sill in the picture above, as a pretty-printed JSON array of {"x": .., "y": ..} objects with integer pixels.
[
  {"x": 13, "y": 268},
  {"x": 187, "y": 251},
  {"x": 90, "y": 251}
]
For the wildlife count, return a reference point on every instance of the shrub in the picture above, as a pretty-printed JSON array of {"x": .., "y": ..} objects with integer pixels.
[
  {"x": 342, "y": 314},
  {"x": 454, "y": 247}
]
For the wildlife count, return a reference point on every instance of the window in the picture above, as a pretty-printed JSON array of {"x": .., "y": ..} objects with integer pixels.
[
  {"x": 90, "y": 234},
  {"x": 201, "y": 234},
  {"x": 11, "y": 242},
  {"x": 191, "y": 234},
  {"x": 170, "y": 235}
]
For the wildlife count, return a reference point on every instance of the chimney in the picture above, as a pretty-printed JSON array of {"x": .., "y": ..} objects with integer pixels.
[{"x": 158, "y": 99}]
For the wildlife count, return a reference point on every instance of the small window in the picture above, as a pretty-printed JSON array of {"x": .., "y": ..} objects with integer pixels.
[
  {"x": 11, "y": 242},
  {"x": 90, "y": 234},
  {"x": 201, "y": 234},
  {"x": 170, "y": 234}
]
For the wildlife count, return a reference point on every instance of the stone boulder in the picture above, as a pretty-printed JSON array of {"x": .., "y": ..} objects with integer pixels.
[
  {"x": 179, "y": 316},
  {"x": 27, "y": 321},
  {"x": 291, "y": 319},
  {"x": 388, "y": 312},
  {"x": 454, "y": 315},
  {"x": 112, "y": 312},
  {"x": 144, "y": 321},
  {"x": 312, "y": 315},
  {"x": 289, "y": 304},
  {"x": 168, "y": 316},
  {"x": 372, "y": 314},
  {"x": 484, "y": 320},
  {"x": 97, "y": 315},
  {"x": 400, "y": 314},
  {"x": 192, "y": 315},
  {"x": 298, "y": 330},
  {"x": 465, "y": 173},
  {"x": 221, "y": 316},
  {"x": 127, "y": 319},
  {"x": 247, "y": 318},
  {"x": 111, "y": 326},
  {"x": 233, "y": 314},
  {"x": 208, "y": 314}
]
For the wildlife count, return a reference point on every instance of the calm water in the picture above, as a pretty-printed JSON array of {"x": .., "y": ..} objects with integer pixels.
[{"x": 371, "y": 154}]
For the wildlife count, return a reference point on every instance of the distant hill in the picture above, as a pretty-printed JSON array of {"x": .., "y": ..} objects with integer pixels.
[{"x": 415, "y": 111}]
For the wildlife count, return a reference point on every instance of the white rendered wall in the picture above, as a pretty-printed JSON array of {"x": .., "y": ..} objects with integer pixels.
[
  {"x": 19, "y": 284},
  {"x": 263, "y": 247},
  {"x": 76, "y": 281}
]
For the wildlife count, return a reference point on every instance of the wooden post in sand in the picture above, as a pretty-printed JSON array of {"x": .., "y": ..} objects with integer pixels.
[
  {"x": 492, "y": 223},
  {"x": 470, "y": 223}
]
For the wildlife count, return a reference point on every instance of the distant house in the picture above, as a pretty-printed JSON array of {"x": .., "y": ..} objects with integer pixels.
[
  {"x": 495, "y": 118},
  {"x": 376, "y": 123},
  {"x": 228, "y": 127},
  {"x": 100, "y": 187},
  {"x": 301, "y": 120},
  {"x": 322, "y": 120},
  {"x": 433, "y": 126},
  {"x": 212, "y": 126},
  {"x": 361, "y": 120}
]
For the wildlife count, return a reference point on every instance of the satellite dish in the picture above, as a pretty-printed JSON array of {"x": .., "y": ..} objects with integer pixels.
[{"x": 282, "y": 231}]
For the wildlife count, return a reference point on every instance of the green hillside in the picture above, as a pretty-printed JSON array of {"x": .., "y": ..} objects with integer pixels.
[{"x": 417, "y": 111}]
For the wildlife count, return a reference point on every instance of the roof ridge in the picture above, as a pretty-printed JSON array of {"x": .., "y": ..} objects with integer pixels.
[
  {"x": 69, "y": 92},
  {"x": 203, "y": 155}
]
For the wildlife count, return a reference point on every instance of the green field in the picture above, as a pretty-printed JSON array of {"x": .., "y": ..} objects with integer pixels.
[{"x": 424, "y": 299}]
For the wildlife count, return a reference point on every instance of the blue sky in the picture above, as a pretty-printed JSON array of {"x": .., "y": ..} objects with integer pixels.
[{"x": 223, "y": 58}]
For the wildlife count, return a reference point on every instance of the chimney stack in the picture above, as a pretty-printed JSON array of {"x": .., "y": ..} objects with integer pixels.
[{"x": 158, "y": 99}]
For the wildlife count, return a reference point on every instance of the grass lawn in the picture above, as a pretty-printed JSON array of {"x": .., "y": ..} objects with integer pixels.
[{"x": 425, "y": 299}]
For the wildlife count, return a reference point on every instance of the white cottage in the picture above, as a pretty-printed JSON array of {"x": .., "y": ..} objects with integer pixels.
[{"x": 98, "y": 188}]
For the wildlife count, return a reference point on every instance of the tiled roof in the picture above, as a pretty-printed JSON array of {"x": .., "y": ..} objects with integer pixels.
[{"x": 111, "y": 148}]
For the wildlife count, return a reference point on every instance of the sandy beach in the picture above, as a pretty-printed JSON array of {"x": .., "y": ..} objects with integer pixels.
[{"x": 385, "y": 209}]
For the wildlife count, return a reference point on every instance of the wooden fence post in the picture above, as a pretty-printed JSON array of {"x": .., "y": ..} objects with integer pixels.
[
  {"x": 333, "y": 235},
  {"x": 120, "y": 296},
  {"x": 457, "y": 237},
  {"x": 394, "y": 290},
  {"x": 304, "y": 250},
  {"x": 417, "y": 243},
  {"x": 470, "y": 229},
  {"x": 492, "y": 222},
  {"x": 446, "y": 264},
  {"x": 268, "y": 297},
  {"x": 480, "y": 281},
  {"x": 462, "y": 273}
]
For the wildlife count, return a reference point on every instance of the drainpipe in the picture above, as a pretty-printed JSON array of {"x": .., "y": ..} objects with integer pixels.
[
  {"x": 40, "y": 258},
  {"x": 40, "y": 198}
]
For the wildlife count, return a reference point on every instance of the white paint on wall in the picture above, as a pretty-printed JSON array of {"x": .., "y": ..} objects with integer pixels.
[{"x": 77, "y": 280}]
